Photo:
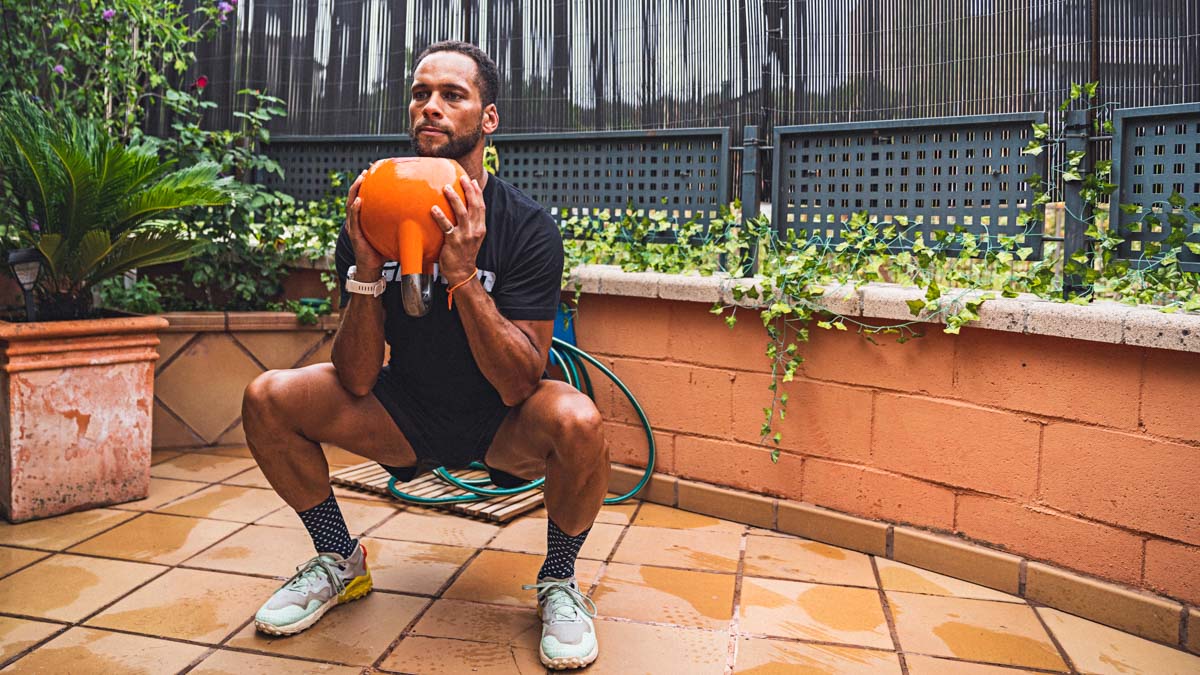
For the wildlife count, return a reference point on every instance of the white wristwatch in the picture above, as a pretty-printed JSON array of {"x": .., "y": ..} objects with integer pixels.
[{"x": 374, "y": 290}]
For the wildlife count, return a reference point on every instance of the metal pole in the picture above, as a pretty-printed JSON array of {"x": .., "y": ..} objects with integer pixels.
[
  {"x": 1077, "y": 134},
  {"x": 750, "y": 190}
]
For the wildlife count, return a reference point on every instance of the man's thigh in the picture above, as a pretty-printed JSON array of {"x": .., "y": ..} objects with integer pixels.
[
  {"x": 527, "y": 436},
  {"x": 323, "y": 411}
]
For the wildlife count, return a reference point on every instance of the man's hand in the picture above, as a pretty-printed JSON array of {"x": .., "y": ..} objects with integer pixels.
[
  {"x": 366, "y": 258},
  {"x": 465, "y": 235}
]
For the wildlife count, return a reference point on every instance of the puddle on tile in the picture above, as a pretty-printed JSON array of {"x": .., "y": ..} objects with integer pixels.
[
  {"x": 61, "y": 531},
  {"x": 801, "y": 560},
  {"x": 680, "y": 597},
  {"x": 808, "y": 611},
  {"x": 910, "y": 581},
  {"x": 12, "y": 559},
  {"x": 159, "y": 538},
  {"x": 759, "y": 656},
  {"x": 896, "y": 576},
  {"x": 231, "y": 553},
  {"x": 84, "y": 651},
  {"x": 486, "y": 623},
  {"x": 441, "y": 656},
  {"x": 70, "y": 581},
  {"x": 68, "y": 587},
  {"x": 227, "y": 502},
  {"x": 1097, "y": 648},
  {"x": 976, "y": 643},
  {"x": 225, "y": 662},
  {"x": 17, "y": 635},
  {"x": 830, "y": 606}
]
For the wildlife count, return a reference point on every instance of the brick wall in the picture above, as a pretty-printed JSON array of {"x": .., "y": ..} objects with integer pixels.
[{"x": 1083, "y": 454}]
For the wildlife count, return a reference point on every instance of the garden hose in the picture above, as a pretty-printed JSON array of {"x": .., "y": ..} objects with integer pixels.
[{"x": 571, "y": 360}]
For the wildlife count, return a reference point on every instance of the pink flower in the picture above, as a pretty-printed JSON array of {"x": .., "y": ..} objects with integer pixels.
[
  {"x": 201, "y": 82},
  {"x": 59, "y": 69},
  {"x": 224, "y": 7},
  {"x": 109, "y": 14}
]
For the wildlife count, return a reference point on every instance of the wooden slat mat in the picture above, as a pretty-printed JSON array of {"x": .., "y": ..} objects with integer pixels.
[{"x": 371, "y": 477}]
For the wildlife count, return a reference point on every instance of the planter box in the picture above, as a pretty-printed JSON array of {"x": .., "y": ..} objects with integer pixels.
[{"x": 77, "y": 414}]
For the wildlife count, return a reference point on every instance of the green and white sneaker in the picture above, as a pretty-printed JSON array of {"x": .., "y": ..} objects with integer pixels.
[
  {"x": 568, "y": 635},
  {"x": 318, "y": 586}
]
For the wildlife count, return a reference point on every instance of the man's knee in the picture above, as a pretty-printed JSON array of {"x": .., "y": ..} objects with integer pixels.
[
  {"x": 263, "y": 400},
  {"x": 578, "y": 422}
]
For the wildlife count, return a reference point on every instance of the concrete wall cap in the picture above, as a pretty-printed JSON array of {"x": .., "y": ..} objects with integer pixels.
[{"x": 1102, "y": 321}]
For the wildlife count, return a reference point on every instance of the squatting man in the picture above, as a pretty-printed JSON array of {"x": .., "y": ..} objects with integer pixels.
[{"x": 463, "y": 383}]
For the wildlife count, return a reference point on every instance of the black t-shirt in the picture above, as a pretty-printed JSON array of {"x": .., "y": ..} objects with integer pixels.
[{"x": 520, "y": 265}]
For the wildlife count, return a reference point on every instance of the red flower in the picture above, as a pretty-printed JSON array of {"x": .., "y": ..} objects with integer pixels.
[{"x": 201, "y": 82}]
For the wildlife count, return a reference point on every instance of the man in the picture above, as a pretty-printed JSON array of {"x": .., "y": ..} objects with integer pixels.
[{"x": 463, "y": 383}]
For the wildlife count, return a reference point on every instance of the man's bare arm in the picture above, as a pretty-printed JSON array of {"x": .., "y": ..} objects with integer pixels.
[{"x": 510, "y": 354}]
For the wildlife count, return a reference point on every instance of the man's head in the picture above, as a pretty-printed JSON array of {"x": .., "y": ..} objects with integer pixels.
[{"x": 453, "y": 100}]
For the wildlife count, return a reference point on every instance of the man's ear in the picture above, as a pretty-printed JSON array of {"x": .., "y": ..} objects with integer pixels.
[{"x": 491, "y": 119}]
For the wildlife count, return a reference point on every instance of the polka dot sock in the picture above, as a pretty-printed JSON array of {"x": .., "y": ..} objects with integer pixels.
[
  {"x": 327, "y": 528},
  {"x": 561, "y": 551}
]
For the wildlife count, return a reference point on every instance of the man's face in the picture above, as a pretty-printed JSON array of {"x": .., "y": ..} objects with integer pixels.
[{"x": 446, "y": 112}]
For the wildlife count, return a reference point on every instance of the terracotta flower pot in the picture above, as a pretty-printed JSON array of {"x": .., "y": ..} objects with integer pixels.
[{"x": 78, "y": 397}]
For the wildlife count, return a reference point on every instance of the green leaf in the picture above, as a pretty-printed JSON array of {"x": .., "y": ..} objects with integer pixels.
[
  {"x": 1034, "y": 148},
  {"x": 915, "y": 306},
  {"x": 1072, "y": 176},
  {"x": 1192, "y": 246}
]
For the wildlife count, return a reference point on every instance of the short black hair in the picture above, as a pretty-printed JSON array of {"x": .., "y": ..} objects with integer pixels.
[{"x": 487, "y": 76}]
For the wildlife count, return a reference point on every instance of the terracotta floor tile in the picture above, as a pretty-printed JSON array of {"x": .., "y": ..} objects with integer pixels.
[
  {"x": 84, "y": 651},
  {"x": 60, "y": 532},
  {"x": 225, "y": 662},
  {"x": 701, "y": 549},
  {"x": 518, "y": 626},
  {"x": 762, "y": 656},
  {"x": 272, "y": 551},
  {"x": 1094, "y": 648},
  {"x": 436, "y": 528},
  {"x": 70, "y": 587},
  {"x": 929, "y": 665},
  {"x": 337, "y": 457},
  {"x": 346, "y": 493},
  {"x": 772, "y": 533},
  {"x": 852, "y": 616},
  {"x": 157, "y": 538},
  {"x": 356, "y": 633},
  {"x": 252, "y": 477},
  {"x": 162, "y": 491},
  {"x": 12, "y": 559},
  {"x": 201, "y": 467},
  {"x": 360, "y": 515},
  {"x": 681, "y": 597},
  {"x": 1002, "y": 633},
  {"x": 160, "y": 456},
  {"x": 227, "y": 502},
  {"x": 616, "y": 514},
  {"x": 497, "y": 576},
  {"x": 228, "y": 451},
  {"x": 900, "y": 577},
  {"x": 441, "y": 656},
  {"x": 413, "y": 567},
  {"x": 189, "y": 605},
  {"x": 528, "y": 535},
  {"x": 802, "y": 560},
  {"x": 657, "y": 515},
  {"x": 17, "y": 635},
  {"x": 638, "y": 649}
]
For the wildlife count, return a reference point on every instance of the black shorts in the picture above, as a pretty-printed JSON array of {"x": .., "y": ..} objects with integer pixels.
[{"x": 436, "y": 440}]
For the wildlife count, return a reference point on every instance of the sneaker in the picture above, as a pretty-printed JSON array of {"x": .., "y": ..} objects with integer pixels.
[
  {"x": 319, "y": 585},
  {"x": 568, "y": 635}
]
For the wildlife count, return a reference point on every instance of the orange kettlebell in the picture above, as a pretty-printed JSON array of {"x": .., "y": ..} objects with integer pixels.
[{"x": 397, "y": 195}]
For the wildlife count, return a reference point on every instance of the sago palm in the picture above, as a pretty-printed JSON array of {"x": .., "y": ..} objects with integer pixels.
[{"x": 92, "y": 205}]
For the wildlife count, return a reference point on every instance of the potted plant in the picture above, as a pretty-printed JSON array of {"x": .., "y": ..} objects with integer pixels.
[{"x": 78, "y": 207}]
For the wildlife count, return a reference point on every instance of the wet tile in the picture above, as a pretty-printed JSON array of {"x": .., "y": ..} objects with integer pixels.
[
  {"x": 852, "y": 616},
  {"x": 700, "y": 549},
  {"x": 442, "y": 656},
  {"x": 12, "y": 559},
  {"x": 1095, "y": 648},
  {"x": 70, "y": 587},
  {"x": 657, "y": 515},
  {"x": 681, "y": 597},
  {"x": 270, "y": 551},
  {"x": 802, "y": 560},
  {"x": 1002, "y": 633},
  {"x": 160, "y": 456},
  {"x": 162, "y": 491},
  {"x": 337, "y": 457},
  {"x": 358, "y": 632},
  {"x": 189, "y": 605},
  {"x": 228, "y": 451},
  {"x": 497, "y": 576},
  {"x": 437, "y": 528},
  {"x": 771, "y": 533},
  {"x": 528, "y": 535},
  {"x": 60, "y": 532},
  {"x": 360, "y": 515},
  {"x": 17, "y": 635},
  {"x": 761, "y": 656},
  {"x": 928, "y": 665},
  {"x": 201, "y": 467},
  {"x": 157, "y": 538},
  {"x": 638, "y": 649},
  {"x": 897, "y": 576},
  {"x": 413, "y": 567},
  {"x": 224, "y": 662},
  {"x": 253, "y": 477},
  {"x": 84, "y": 651},
  {"x": 227, "y": 502},
  {"x": 496, "y": 624},
  {"x": 346, "y": 493},
  {"x": 616, "y": 514}
]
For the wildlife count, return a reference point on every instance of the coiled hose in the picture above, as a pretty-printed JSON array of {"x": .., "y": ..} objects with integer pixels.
[{"x": 571, "y": 360}]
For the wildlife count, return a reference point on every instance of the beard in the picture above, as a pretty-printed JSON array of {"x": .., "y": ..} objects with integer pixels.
[{"x": 454, "y": 147}]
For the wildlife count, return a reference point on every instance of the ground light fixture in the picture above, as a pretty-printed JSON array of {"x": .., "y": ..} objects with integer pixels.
[{"x": 26, "y": 264}]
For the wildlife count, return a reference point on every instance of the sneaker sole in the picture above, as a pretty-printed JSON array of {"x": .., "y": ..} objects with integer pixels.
[
  {"x": 355, "y": 590},
  {"x": 568, "y": 662}
]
